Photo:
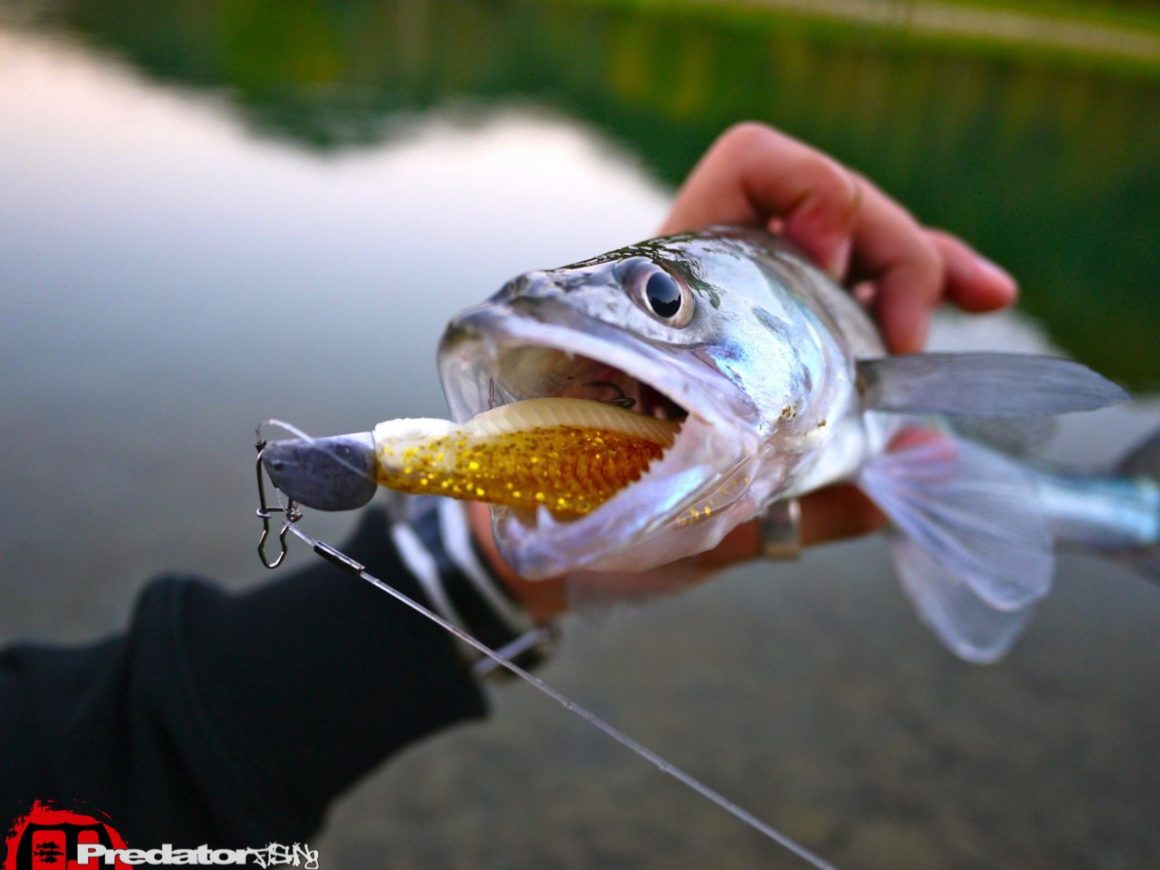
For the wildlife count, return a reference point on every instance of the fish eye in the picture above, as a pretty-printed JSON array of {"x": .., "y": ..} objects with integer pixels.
[{"x": 664, "y": 296}]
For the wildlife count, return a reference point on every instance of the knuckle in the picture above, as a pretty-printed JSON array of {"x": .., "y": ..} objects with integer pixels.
[
  {"x": 947, "y": 245},
  {"x": 744, "y": 138},
  {"x": 747, "y": 133},
  {"x": 940, "y": 236},
  {"x": 843, "y": 184},
  {"x": 833, "y": 188}
]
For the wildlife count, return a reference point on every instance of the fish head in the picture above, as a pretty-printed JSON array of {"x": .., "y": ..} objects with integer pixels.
[{"x": 687, "y": 328}]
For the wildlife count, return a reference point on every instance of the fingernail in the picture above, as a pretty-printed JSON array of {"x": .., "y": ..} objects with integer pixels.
[
  {"x": 840, "y": 259},
  {"x": 864, "y": 292},
  {"x": 995, "y": 273}
]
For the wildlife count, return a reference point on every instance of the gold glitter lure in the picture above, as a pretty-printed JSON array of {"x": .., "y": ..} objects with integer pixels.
[{"x": 569, "y": 455}]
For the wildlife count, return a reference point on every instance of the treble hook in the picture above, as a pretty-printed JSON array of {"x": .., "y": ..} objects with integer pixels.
[{"x": 265, "y": 512}]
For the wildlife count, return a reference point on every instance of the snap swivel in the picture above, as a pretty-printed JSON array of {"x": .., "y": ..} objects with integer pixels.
[{"x": 265, "y": 512}]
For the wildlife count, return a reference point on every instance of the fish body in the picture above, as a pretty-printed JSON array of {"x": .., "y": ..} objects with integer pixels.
[{"x": 780, "y": 385}]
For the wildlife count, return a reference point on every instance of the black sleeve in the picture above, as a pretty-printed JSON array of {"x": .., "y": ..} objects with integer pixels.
[{"x": 227, "y": 719}]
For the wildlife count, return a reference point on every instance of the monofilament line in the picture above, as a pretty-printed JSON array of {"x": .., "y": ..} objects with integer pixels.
[{"x": 338, "y": 558}]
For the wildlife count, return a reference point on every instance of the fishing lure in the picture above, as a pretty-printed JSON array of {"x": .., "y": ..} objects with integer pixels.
[{"x": 569, "y": 455}]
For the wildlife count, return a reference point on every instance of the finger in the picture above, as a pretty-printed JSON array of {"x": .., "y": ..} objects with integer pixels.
[
  {"x": 896, "y": 253},
  {"x": 973, "y": 282},
  {"x": 836, "y": 513},
  {"x": 756, "y": 175}
]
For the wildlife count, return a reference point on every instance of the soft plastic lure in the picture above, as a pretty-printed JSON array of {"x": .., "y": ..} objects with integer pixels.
[
  {"x": 565, "y": 454},
  {"x": 569, "y": 455}
]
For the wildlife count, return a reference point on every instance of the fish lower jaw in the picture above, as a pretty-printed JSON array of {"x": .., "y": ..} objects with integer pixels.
[{"x": 655, "y": 520}]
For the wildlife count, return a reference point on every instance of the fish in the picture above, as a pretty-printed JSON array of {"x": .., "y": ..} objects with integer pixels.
[{"x": 772, "y": 382}]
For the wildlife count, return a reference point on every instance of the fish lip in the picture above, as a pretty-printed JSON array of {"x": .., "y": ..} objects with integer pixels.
[{"x": 713, "y": 439}]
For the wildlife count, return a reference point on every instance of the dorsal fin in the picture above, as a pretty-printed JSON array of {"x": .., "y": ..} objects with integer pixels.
[{"x": 983, "y": 385}]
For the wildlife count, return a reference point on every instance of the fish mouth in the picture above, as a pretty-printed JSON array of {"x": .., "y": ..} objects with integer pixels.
[
  {"x": 495, "y": 354},
  {"x": 529, "y": 371}
]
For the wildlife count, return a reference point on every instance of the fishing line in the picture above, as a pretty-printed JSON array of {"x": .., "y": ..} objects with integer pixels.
[
  {"x": 340, "y": 559},
  {"x": 289, "y": 427}
]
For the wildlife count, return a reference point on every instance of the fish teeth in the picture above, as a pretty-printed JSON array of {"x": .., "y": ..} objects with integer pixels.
[{"x": 544, "y": 520}]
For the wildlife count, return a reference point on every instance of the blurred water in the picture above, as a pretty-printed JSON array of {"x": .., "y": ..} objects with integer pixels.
[{"x": 168, "y": 279}]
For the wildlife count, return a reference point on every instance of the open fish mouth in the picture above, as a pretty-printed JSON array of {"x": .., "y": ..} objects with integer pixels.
[
  {"x": 493, "y": 356},
  {"x": 536, "y": 372}
]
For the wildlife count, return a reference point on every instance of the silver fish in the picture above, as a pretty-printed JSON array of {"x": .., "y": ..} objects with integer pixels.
[{"x": 782, "y": 386}]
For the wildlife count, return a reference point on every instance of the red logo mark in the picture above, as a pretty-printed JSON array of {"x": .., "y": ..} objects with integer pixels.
[{"x": 46, "y": 838}]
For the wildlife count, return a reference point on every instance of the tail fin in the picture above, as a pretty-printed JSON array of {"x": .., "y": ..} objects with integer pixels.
[
  {"x": 972, "y": 546},
  {"x": 1144, "y": 461}
]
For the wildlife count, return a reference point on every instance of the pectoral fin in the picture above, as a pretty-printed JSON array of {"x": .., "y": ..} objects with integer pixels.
[
  {"x": 967, "y": 625},
  {"x": 973, "y": 548},
  {"x": 983, "y": 385}
]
